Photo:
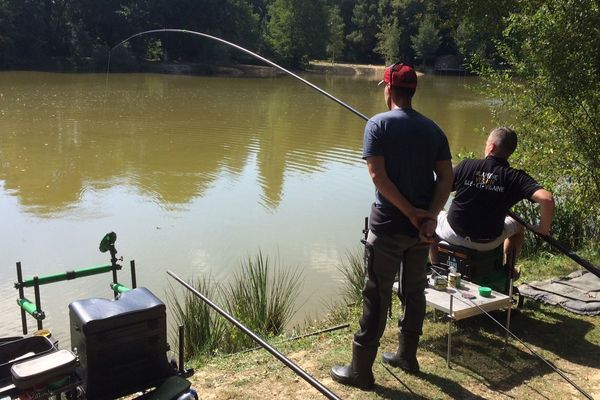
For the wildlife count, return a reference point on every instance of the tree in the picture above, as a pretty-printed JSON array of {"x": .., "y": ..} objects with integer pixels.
[
  {"x": 427, "y": 40},
  {"x": 295, "y": 30},
  {"x": 6, "y": 35},
  {"x": 335, "y": 44},
  {"x": 362, "y": 37},
  {"x": 550, "y": 91},
  {"x": 388, "y": 40},
  {"x": 478, "y": 27}
]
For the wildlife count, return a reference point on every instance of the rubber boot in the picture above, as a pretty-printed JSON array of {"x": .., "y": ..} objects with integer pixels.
[
  {"x": 359, "y": 372},
  {"x": 406, "y": 356}
]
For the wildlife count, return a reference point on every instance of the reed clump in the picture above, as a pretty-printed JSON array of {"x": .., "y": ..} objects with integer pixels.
[
  {"x": 353, "y": 271},
  {"x": 202, "y": 331},
  {"x": 261, "y": 295}
]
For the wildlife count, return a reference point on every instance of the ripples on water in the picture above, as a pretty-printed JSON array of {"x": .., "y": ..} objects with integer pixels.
[{"x": 193, "y": 173}]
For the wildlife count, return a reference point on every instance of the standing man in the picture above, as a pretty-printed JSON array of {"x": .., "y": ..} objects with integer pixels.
[
  {"x": 485, "y": 190},
  {"x": 403, "y": 149}
]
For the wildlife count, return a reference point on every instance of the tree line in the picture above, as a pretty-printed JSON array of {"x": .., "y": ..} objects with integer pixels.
[{"x": 76, "y": 34}]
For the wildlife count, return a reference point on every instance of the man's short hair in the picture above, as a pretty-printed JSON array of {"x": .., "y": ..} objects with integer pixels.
[
  {"x": 403, "y": 91},
  {"x": 505, "y": 140}
]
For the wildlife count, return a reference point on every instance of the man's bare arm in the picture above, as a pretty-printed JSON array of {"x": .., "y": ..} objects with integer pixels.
[
  {"x": 546, "y": 201},
  {"x": 443, "y": 185},
  {"x": 441, "y": 192}
]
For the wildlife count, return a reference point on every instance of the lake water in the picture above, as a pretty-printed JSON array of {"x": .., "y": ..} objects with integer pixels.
[{"x": 194, "y": 174}]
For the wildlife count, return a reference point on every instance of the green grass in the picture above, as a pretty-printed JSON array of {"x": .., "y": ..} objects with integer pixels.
[
  {"x": 353, "y": 271},
  {"x": 203, "y": 329},
  {"x": 262, "y": 296},
  {"x": 482, "y": 366}
]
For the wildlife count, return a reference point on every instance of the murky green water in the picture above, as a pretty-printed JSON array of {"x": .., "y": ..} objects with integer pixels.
[{"x": 194, "y": 174}]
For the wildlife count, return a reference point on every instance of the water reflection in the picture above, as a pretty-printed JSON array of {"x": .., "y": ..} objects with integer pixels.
[
  {"x": 195, "y": 174},
  {"x": 168, "y": 136}
]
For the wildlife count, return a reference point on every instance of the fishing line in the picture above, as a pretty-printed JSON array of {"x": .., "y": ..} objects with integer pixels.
[
  {"x": 354, "y": 111},
  {"x": 472, "y": 302},
  {"x": 559, "y": 372}
]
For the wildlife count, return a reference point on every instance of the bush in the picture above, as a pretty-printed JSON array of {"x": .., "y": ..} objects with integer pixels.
[{"x": 549, "y": 90}]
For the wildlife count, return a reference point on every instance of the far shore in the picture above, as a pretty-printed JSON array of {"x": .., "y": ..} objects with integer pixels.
[{"x": 262, "y": 71}]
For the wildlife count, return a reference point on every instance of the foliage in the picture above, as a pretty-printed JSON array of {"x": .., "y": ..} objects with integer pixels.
[
  {"x": 478, "y": 26},
  {"x": 335, "y": 43},
  {"x": 295, "y": 30},
  {"x": 426, "y": 42},
  {"x": 553, "y": 98},
  {"x": 484, "y": 363},
  {"x": 261, "y": 298},
  {"x": 388, "y": 40},
  {"x": 36, "y": 33},
  {"x": 361, "y": 38},
  {"x": 203, "y": 328},
  {"x": 353, "y": 271},
  {"x": 463, "y": 155}
]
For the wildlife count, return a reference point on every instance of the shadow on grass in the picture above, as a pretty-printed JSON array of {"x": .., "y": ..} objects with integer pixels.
[
  {"x": 453, "y": 389},
  {"x": 489, "y": 361},
  {"x": 478, "y": 346},
  {"x": 560, "y": 333},
  {"x": 554, "y": 331}
]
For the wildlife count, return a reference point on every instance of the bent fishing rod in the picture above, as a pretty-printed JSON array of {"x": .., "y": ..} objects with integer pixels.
[
  {"x": 286, "y": 361},
  {"x": 354, "y": 111},
  {"x": 244, "y": 50},
  {"x": 555, "y": 243}
]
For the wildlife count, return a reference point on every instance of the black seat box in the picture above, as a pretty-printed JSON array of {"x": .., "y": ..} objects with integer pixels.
[{"x": 121, "y": 344}]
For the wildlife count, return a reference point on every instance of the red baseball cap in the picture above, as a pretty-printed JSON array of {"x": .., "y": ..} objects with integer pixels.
[{"x": 400, "y": 75}]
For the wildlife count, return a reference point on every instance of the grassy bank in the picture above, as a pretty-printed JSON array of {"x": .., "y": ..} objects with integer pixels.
[{"x": 481, "y": 366}]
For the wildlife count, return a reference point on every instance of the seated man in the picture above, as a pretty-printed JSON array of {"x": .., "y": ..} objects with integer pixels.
[{"x": 485, "y": 190}]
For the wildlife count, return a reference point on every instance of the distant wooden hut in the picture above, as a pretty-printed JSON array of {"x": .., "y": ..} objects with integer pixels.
[{"x": 449, "y": 64}]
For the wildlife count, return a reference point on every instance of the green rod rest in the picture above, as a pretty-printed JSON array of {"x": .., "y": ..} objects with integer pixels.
[
  {"x": 117, "y": 287},
  {"x": 31, "y": 309},
  {"x": 64, "y": 276}
]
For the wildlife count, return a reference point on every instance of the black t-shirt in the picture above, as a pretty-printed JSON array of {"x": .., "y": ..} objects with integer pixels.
[
  {"x": 411, "y": 144},
  {"x": 485, "y": 191}
]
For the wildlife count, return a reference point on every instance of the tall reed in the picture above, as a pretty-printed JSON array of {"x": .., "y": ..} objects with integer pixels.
[
  {"x": 203, "y": 328},
  {"x": 353, "y": 271},
  {"x": 262, "y": 296}
]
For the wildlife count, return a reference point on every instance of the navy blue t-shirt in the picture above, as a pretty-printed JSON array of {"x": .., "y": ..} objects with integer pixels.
[
  {"x": 485, "y": 191},
  {"x": 410, "y": 144}
]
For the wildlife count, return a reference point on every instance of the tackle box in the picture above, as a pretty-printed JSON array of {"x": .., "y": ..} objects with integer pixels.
[
  {"x": 43, "y": 369},
  {"x": 21, "y": 349},
  {"x": 121, "y": 344}
]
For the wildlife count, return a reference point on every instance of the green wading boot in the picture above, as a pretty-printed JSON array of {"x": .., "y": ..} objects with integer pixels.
[
  {"x": 359, "y": 372},
  {"x": 406, "y": 356}
]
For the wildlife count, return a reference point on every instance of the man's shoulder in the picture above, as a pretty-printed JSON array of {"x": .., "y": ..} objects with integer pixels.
[{"x": 470, "y": 163}]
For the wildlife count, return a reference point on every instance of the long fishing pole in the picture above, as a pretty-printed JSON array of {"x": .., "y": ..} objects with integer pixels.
[
  {"x": 289, "y": 363},
  {"x": 354, "y": 111},
  {"x": 240, "y": 48},
  {"x": 564, "y": 249}
]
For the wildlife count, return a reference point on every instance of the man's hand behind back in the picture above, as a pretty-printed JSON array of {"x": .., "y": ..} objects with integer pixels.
[{"x": 427, "y": 231}]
